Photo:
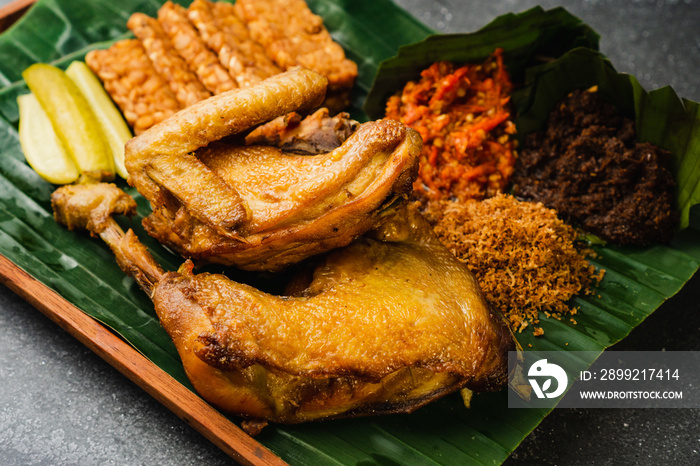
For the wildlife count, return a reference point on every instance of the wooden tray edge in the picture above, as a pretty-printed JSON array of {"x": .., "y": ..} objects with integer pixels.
[
  {"x": 181, "y": 401},
  {"x": 12, "y": 11}
]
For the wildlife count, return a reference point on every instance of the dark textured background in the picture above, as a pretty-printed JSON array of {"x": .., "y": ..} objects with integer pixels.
[{"x": 61, "y": 404}]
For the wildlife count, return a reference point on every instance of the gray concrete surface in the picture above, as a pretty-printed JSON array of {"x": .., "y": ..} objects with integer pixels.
[{"x": 61, "y": 404}]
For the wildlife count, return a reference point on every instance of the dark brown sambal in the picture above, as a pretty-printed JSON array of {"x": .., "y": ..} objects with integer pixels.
[{"x": 587, "y": 166}]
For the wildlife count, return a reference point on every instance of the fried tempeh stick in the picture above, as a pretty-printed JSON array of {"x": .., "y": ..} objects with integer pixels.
[
  {"x": 224, "y": 33},
  {"x": 293, "y": 36},
  {"x": 166, "y": 61},
  {"x": 130, "y": 79},
  {"x": 188, "y": 43}
]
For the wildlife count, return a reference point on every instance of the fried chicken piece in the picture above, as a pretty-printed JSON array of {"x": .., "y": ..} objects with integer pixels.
[
  {"x": 192, "y": 48},
  {"x": 257, "y": 207},
  {"x": 386, "y": 324},
  {"x": 293, "y": 36},
  {"x": 127, "y": 74},
  {"x": 226, "y": 35},
  {"x": 312, "y": 135},
  {"x": 182, "y": 81},
  {"x": 89, "y": 207}
]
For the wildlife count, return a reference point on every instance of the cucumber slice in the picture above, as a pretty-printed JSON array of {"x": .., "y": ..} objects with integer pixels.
[
  {"x": 113, "y": 125},
  {"x": 42, "y": 148},
  {"x": 72, "y": 119}
]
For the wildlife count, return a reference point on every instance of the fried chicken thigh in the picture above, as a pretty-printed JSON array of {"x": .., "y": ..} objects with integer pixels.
[
  {"x": 385, "y": 324},
  {"x": 258, "y": 207}
]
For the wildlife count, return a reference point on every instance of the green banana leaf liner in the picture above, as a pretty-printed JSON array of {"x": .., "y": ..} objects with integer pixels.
[{"x": 83, "y": 270}]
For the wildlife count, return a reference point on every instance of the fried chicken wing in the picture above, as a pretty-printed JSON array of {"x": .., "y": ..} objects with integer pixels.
[
  {"x": 258, "y": 207},
  {"x": 384, "y": 325}
]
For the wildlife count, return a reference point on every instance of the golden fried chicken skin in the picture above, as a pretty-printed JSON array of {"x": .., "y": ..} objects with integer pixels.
[
  {"x": 384, "y": 325},
  {"x": 258, "y": 207}
]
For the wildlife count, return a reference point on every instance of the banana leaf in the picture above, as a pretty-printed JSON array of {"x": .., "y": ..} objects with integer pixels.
[{"x": 84, "y": 271}]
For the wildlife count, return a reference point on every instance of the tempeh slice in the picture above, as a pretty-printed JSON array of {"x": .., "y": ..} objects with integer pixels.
[
  {"x": 224, "y": 33},
  {"x": 130, "y": 79},
  {"x": 294, "y": 36},
  {"x": 188, "y": 43},
  {"x": 183, "y": 82}
]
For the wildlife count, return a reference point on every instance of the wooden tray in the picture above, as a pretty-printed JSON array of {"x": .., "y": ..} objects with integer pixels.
[
  {"x": 122, "y": 356},
  {"x": 160, "y": 385},
  {"x": 12, "y": 11}
]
